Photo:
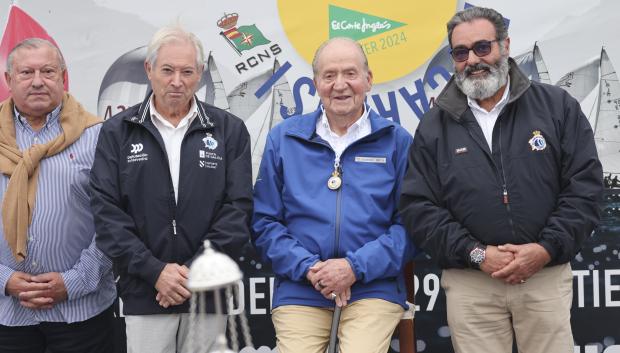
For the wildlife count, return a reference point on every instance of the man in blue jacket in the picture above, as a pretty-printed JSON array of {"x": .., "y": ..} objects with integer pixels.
[
  {"x": 168, "y": 174},
  {"x": 502, "y": 190},
  {"x": 325, "y": 213}
]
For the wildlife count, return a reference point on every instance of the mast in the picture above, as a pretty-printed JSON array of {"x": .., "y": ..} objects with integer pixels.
[{"x": 273, "y": 95}]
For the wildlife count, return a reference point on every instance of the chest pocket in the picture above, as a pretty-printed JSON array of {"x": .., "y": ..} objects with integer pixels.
[
  {"x": 466, "y": 167},
  {"x": 373, "y": 174}
]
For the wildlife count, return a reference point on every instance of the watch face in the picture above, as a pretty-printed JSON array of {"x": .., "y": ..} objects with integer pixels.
[{"x": 477, "y": 255}]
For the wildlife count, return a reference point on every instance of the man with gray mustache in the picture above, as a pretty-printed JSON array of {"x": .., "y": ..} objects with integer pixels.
[{"x": 502, "y": 190}]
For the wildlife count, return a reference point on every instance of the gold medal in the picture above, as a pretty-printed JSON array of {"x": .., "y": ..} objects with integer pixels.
[{"x": 334, "y": 181}]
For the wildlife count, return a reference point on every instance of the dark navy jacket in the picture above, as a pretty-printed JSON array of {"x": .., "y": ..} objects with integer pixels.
[
  {"x": 540, "y": 184},
  {"x": 138, "y": 223}
]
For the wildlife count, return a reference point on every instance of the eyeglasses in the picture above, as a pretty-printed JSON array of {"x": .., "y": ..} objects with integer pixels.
[{"x": 481, "y": 48}]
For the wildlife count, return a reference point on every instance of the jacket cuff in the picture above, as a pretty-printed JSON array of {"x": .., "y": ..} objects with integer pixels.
[
  {"x": 153, "y": 268},
  {"x": 553, "y": 253},
  {"x": 355, "y": 266},
  {"x": 305, "y": 266}
]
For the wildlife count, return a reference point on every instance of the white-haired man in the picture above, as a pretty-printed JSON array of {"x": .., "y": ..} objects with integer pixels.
[
  {"x": 502, "y": 190},
  {"x": 168, "y": 174},
  {"x": 326, "y": 213}
]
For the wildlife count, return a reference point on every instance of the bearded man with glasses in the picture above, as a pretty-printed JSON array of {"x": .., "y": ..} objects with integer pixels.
[{"x": 501, "y": 190}]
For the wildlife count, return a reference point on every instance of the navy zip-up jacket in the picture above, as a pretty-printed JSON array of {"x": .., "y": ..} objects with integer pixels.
[
  {"x": 540, "y": 184},
  {"x": 138, "y": 223}
]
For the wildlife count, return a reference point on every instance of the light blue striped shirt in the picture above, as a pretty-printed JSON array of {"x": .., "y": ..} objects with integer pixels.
[{"x": 61, "y": 237}]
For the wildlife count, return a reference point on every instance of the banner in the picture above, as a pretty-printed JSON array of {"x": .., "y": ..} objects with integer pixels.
[{"x": 258, "y": 66}]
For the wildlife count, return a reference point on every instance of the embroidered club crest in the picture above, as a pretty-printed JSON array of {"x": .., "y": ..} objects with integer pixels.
[
  {"x": 537, "y": 142},
  {"x": 210, "y": 142}
]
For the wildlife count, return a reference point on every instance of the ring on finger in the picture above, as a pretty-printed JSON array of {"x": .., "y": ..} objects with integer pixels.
[{"x": 333, "y": 295}]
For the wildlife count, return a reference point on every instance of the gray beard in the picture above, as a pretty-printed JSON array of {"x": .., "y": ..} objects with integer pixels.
[{"x": 484, "y": 87}]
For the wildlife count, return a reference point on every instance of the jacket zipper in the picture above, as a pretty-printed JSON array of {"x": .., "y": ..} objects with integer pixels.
[
  {"x": 173, "y": 203},
  {"x": 338, "y": 205},
  {"x": 339, "y": 191},
  {"x": 505, "y": 197},
  {"x": 500, "y": 178}
]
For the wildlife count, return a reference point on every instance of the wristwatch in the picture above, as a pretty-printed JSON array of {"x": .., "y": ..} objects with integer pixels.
[{"x": 477, "y": 255}]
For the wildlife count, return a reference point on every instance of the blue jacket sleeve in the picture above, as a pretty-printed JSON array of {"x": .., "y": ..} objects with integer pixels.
[
  {"x": 386, "y": 256},
  {"x": 270, "y": 236}
]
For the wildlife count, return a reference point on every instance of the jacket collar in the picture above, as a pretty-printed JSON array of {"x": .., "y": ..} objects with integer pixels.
[
  {"x": 145, "y": 108},
  {"x": 305, "y": 127},
  {"x": 453, "y": 101}
]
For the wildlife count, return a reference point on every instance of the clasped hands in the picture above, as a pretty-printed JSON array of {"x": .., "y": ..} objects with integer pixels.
[
  {"x": 514, "y": 264},
  {"x": 333, "y": 276},
  {"x": 171, "y": 285},
  {"x": 41, "y": 291}
]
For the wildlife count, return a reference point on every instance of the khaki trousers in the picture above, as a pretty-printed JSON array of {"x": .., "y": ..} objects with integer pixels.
[
  {"x": 366, "y": 326},
  {"x": 484, "y": 312}
]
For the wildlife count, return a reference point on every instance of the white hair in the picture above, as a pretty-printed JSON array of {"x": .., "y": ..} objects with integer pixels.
[{"x": 171, "y": 34}]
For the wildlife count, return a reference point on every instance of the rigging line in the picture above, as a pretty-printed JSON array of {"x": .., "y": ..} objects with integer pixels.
[
  {"x": 260, "y": 132},
  {"x": 598, "y": 98}
]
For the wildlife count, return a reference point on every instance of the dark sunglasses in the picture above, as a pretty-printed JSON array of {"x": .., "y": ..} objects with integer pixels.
[{"x": 481, "y": 48}]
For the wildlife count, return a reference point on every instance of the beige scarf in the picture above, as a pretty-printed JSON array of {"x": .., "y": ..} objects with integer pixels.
[{"x": 23, "y": 168}]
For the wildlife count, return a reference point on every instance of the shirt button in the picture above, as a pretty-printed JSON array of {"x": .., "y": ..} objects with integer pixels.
[
  {"x": 34, "y": 264},
  {"x": 36, "y": 140}
]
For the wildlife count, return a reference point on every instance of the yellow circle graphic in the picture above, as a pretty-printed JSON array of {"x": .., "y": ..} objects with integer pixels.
[{"x": 398, "y": 35}]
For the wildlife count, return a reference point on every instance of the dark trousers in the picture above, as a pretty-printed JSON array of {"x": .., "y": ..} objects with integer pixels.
[{"x": 91, "y": 336}]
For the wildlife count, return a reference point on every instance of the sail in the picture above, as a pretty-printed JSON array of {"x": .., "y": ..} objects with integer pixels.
[
  {"x": 533, "y": 66},
  {"x": 527, "y": 65},
  {"x": 543, "y": 72},
  {"x": 581, "y": 81},
  {"x": 607, "y": 122},
  {"x": 124, "y": 84},
  {"x": 242, "y": 100},
  {"x": 283, "y": 103},
  {"x": 214, "y": 91}
]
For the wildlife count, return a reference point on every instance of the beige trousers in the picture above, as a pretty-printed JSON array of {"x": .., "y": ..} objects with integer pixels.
[
  {"x": 484, "y": 312},
  {"x": 366, "y": 326}
]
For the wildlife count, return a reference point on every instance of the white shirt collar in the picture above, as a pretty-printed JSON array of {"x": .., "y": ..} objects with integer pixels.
[
  {"x": 356, "y": 131},
  {"x": 160, "y": 121},
  {"x": 358, "y": 124}
]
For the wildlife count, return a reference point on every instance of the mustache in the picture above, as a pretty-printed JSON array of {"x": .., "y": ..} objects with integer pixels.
[{"x": 477, "y": 67}]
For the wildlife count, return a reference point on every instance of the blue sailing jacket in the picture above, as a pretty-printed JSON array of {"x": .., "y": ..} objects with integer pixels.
[{"x": 298, "y": 220}]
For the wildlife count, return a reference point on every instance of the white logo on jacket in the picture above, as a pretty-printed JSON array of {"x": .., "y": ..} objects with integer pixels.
[
  {"x": 210, "y": 142},
  {"x": 135, "y": 148},
  {"x": 537, "y": 142},
  {"x": 135, "y": 155}
]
